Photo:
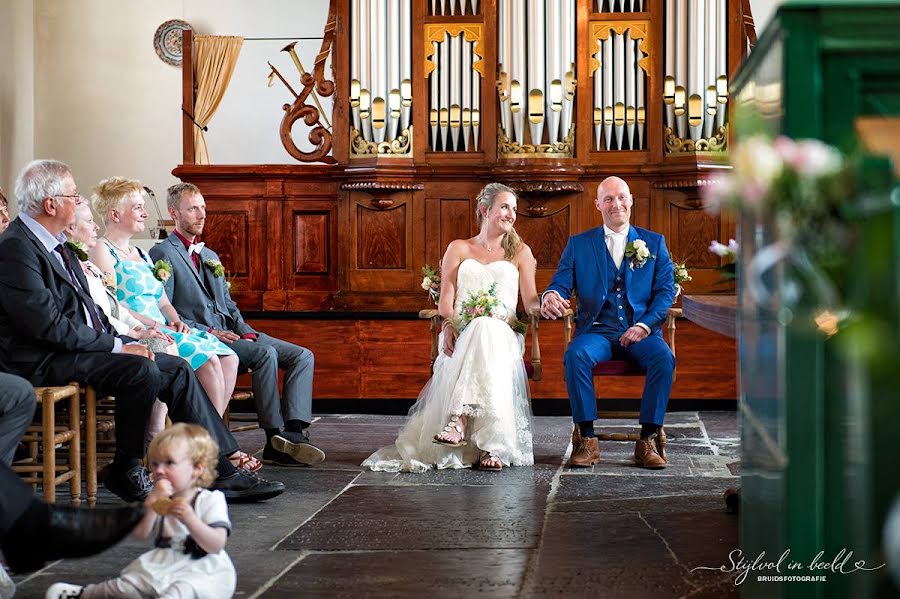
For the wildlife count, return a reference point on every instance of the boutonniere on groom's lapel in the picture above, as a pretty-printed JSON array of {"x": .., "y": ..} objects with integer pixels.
[
  {"x": 638, "y": 253},
  {"x": 78, "y": 249},
  {"x": 216, "y": 267}
]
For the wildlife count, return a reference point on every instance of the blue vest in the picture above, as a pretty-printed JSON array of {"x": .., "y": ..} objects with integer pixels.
[{"x": 616, "y": 314}]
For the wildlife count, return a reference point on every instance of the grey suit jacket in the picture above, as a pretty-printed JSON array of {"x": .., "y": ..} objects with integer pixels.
[{"x": 201, "y": 298}]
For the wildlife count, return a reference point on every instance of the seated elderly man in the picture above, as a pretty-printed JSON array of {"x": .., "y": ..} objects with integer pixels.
[
  {"x": 199, "y": 292},
  {"x": 51, "y": 332}
]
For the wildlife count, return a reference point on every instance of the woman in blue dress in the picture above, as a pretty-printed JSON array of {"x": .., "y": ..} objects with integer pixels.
[{"x": 119, "y": 203}]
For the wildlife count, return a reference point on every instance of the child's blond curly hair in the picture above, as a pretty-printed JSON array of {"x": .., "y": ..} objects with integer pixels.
[{"x": 204, "y": 451}]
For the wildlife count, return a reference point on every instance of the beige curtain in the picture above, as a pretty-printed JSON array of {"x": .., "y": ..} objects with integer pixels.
[{"x": 216, "y": 57}]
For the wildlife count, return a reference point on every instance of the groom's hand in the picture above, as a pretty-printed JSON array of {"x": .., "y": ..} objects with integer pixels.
[
  {"x": 632, "y": 335},
  {"x": 553, "y": 306}
]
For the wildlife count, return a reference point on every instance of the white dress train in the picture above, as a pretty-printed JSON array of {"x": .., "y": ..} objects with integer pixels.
[{"x": 484, "y": 379}]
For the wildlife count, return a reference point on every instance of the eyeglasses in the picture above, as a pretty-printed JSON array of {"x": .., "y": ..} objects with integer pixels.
[{"x": 76, "y": 197}]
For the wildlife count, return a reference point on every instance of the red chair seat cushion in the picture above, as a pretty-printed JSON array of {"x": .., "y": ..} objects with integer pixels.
[{"x": 618, "y": 368}]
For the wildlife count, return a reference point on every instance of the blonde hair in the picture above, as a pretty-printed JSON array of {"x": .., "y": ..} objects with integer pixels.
[
  {"x": 204, "y": 451},
  {"x": 109, "y": 193},
  {"x": 174, "y": 193},
  {"x": 486, "y": 198}
]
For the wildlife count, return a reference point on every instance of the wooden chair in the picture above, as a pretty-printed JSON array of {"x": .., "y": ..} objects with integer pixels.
[
  {"x": 41, "y": 465},
  {"x": 532, "y": 365},
  {"x": 251, "y": 420},
  {"x": 624, "y": 368}
]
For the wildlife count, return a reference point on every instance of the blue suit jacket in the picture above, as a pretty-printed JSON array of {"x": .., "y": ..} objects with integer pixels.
[{"x": 582, "y": 271}]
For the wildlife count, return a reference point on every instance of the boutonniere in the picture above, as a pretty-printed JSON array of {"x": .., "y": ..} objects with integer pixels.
[
  {"x": 78, "y": 249},
  {"x": 162, "y": 270},
  {"x": 638, "y": 252},
  {"x": 216, "y": 267}
]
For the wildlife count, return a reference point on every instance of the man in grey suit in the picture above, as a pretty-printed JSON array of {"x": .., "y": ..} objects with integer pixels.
[{"x": 199, "y": 291}]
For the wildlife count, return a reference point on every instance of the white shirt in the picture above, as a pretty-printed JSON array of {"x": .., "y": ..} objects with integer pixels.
[{"x": 615, "y": 243}]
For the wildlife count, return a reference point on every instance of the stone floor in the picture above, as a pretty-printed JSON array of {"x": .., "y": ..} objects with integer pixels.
[{"x": 614, "y": 530}]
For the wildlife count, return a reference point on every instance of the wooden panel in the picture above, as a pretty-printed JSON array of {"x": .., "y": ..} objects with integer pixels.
[
  {"x": 691, "y": 229},
  {"x": 390, "y": 359},
  {"x": 311, "y": 241},
  {"x": 381, "y": 237},
  {"x": 228, "y": 232},
  {"x": 446, "y": 220},
  {"x": 547, "y": 234}
]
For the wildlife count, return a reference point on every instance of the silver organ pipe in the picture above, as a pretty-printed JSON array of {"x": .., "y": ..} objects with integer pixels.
[
  {"x": 405, "y": 62},
  {"x": 505, "y": 55},
  {"x": 679, "y": 46},
  {"x": 466, "y": 105},
  {"x": 630, "y": 110},
  {"x": 721, "y": 62},
  {"x": 709, "y": 98},
  {"x": 365, "y": 94},
  {"x": 618, "y": 88},
  {"x": 696, "y": 67},
  {"x": 434, "y": 101},
  {"x": 598, "y": 101},
  {"x": 608, "y": 91},
  {"x": 455, "y": 60},
  {"x": 669, "y": 77},
  {"x": 393, "y": 68},
  {"x": 567, "y": 26},
  {"x": 620, "y": 5},
  {"x": 536, "y": 58},
  {"x": 379, "y": 77},
  {"x": 476, "y": 108},
  {"x": 354, "y": 65},
  {"x": 445, "y": 91},
  {"x": 518, "y": 83},
  {"x": 553, "y": 82}
]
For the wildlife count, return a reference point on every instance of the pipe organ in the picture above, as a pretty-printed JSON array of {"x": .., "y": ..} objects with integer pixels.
[{"x": 434, "y": 98}]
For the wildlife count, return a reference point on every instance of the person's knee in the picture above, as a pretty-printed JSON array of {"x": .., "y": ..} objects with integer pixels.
[
  {"x": 22, "y": 393},
  {"x": 664, "y": 361}
]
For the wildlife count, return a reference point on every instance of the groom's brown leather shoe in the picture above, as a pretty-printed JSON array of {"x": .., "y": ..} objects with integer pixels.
[
  {"x": 585, "y": 451},
  {"x": 647, "y": 455}
]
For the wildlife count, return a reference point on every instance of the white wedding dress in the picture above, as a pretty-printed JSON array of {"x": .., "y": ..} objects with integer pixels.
[{"x": 484, "y": 379}]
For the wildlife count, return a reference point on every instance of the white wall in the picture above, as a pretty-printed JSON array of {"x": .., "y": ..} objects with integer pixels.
[
  {"x": 16, "y": 90},
  {"x": 763, "y": 11}
]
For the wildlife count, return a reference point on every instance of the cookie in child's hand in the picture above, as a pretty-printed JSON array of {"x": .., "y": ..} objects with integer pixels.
[{"x": 162, "y": 506}]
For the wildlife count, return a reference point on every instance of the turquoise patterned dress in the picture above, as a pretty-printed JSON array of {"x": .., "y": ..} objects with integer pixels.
[{"x": 140, "y": 291}]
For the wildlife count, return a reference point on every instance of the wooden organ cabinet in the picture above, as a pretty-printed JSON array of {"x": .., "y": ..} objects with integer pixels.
[{"x": 432, "y": 100}]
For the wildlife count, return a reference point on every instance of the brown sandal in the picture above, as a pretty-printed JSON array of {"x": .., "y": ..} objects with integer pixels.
[
  {"x": 490, "y": 462},
  {"x": 456, "y": 425}
]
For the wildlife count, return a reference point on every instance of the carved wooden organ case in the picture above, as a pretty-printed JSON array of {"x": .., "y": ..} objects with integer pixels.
[{"x": 435, "y": 98}]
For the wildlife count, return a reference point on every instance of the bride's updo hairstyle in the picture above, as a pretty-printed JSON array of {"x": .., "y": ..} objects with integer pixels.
[
  {"x": 486, "y": 198},
  {"x": 109, "y": 193}
]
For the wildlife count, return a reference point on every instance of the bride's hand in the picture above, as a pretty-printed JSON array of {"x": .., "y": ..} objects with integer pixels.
[{"x": 450, "y": 335}]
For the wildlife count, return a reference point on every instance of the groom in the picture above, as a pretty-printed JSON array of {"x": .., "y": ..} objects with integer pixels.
[
  {"x": 199, "y": 292},
  {"x": 622, "y": 276}
]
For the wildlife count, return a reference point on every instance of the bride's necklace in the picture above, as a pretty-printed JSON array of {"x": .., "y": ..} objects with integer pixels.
[
  {"x": 125, "y": 250},
  {"x": 485, "y": 245}
]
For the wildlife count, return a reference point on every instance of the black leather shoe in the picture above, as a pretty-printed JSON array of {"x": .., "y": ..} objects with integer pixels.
[
  {"x": 68, "y": 532},
  {"x": 132, "y": 485},
  {"x": 246, "y": 487},
  {"x": 298, "y": 447}
]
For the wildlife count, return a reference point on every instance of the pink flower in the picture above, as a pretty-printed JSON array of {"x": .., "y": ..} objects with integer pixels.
[{"x": 717, "y": 192}]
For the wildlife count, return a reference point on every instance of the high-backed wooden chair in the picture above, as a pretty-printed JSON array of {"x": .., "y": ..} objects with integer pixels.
[
  {"x": 532, "y": 363},
  {"x": 43, "y": 464},
  {"x": 624, "y": 368}
]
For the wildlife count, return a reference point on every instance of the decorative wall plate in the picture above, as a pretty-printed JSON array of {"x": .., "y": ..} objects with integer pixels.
[{"x": 167, "y": 41}]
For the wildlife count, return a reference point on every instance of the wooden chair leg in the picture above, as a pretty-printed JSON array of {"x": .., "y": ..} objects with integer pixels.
[
  {"x": 48, "y": 427},
  {"x": 90, "y": 444},
  {"x": 75, "y": 447}
]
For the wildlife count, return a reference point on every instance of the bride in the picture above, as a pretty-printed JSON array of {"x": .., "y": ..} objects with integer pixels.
[{"x": 475, "y": 407}]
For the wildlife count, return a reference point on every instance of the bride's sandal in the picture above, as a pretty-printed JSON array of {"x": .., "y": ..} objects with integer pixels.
[
  {"x": 453, "y": 434},
  {"x": 490, "y": 462}
]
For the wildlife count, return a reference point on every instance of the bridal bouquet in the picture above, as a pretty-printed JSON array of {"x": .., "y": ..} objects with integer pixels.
[
  {"x": 680, "y": 275},
  {"x": 486, "y": 303}
]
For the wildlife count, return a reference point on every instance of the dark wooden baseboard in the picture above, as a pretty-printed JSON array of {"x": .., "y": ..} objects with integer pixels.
[{"x": 380, "y": 357}]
